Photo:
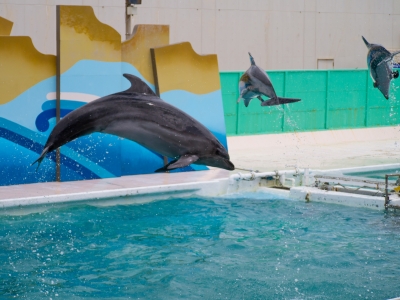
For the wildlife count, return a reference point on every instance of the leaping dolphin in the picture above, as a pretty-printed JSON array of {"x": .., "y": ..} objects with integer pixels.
[
  {"x": 379, "y": 62},
  {"x": 254, "y": 83},
  {"x": 138, "y": 114}
]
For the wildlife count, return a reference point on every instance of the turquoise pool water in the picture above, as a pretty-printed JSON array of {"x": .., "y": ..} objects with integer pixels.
[
  {"x": 242, "y": 247},
  {"x": 376, "y": 174}
]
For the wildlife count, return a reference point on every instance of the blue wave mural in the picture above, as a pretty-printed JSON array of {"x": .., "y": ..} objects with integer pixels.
[
  {"x": 26, "y": 122},
  {"x": 22, "y": 146}
]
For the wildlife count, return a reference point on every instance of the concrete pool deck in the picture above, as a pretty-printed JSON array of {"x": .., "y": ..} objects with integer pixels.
[
  {"x": 329, "y": 149},
  {"x": 316, "y": 150}
]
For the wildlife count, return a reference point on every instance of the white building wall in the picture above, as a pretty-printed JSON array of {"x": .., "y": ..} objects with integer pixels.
[
  {"x": 280, "y": 34},
  {"x": 37, "y": 18}
]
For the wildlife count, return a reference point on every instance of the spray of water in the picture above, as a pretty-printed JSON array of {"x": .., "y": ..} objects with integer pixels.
[{"x": 393, "y": 111}]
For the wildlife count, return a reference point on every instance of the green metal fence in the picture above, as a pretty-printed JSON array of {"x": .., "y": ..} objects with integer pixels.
[{"x": 330, "y": 99}]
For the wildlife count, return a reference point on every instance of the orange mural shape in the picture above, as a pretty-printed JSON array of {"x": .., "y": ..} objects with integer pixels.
[
  {"x": 5, "y": 26},
  {"x": 136, "y": 50},
  {"x": 22, "y": 66},
  {"x": 83, "y": 36},
  {"x": 179, "y": 67}
]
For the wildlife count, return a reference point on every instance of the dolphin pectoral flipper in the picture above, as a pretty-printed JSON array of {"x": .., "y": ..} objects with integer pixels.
[
  {"x": 183, "y": 161},
  {"x": 278, "y": 101},
  {"x": 261, "y": 99}
]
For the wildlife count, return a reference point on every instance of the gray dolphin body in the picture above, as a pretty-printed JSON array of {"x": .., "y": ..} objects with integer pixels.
[
  {"x": 254, "y": 83},
  {"x": 140, "y": 115},
  {"x": 379, "y": 62}
]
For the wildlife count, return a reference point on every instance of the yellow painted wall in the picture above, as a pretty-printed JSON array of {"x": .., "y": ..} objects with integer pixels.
[
  {"x": 22, "y": 66},
  {"x": 83, "y": 36},
  {"x": 5, "y": 26},
  {"x": 180, "y": 68},
  {"x": 136, "y": 50}
]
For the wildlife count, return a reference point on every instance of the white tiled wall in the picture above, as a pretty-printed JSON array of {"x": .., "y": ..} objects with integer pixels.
[
  {"x": 37, "y": 18},
  {"x": 281, "y": 34}
]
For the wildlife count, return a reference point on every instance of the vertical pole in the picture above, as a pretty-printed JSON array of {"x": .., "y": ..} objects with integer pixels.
[
  {"x": 156, "y": 84},
  {"x": 366, "y": 101},
  {"x": 58, "y": 88},
  {"x": 327, "y": 100},
  {"x": 154, "y": 67},
  {"x": 386, "y": 192},
  {"x": 237, "y": 108},
  {"x": 128, "y": 22}
]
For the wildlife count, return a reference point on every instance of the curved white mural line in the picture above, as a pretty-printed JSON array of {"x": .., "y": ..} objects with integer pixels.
[{"x": 72, "y": 96}]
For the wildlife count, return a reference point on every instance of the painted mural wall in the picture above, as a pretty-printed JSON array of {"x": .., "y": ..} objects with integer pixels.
[
  {"x": 27, "y": 77},
  {"x": 39, "y": 89},
  {"x": 191, "y": 82},
  {"x": 92, "y": 61}
]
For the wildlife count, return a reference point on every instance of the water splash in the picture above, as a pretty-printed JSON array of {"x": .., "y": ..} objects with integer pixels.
[{"x": 393, "y": 112}]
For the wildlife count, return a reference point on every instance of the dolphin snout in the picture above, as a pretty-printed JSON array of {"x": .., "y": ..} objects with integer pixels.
[
  {"x": 223, "y": 161},
  {"x": 228, "y": 165}
]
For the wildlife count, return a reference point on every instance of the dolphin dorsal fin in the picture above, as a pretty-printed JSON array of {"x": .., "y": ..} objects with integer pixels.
[
  {"x": 138, "y": 85},
  {"x": 252, "y": 60},
  {"x": 366, "y": 42}
]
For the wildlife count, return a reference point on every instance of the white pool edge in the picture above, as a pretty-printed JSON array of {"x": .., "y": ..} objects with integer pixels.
[{"x": 236, "y": 183}]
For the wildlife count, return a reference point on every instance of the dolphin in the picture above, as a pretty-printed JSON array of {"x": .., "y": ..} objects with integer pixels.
[
  {"x": 254, "y": 83},
  {"x": 379, "y": 62},
  {"x": 138, "y": 114}
]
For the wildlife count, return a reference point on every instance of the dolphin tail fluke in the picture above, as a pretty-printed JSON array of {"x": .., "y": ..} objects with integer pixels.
[
  {"x": 41, "y": 157},
  {"x": 183, "y": 161},
  {"x": 389, "y": 58},
  {"x": 366, "y": 42},
  {"x": 279, "y": 101},
  {"x": 394, "y": 53}
]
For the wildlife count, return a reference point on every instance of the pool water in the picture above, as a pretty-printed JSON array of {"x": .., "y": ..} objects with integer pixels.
[
  {"x": 248, "y": 246},
  {"x": 376, "y": 174}
]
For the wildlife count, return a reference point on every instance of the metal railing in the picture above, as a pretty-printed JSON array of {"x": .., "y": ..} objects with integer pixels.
[{"x": 386, "y": 187}]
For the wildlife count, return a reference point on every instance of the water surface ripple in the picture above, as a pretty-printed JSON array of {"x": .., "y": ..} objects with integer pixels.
[{"x": 249, "y": 246}]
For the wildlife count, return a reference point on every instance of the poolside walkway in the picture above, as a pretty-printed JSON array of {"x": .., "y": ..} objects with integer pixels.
[
  {"x": 317, "y": 150},
  {"x": 49, "y": 189}
]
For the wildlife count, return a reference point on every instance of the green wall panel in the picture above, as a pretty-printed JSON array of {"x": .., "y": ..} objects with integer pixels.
[
  {"x": 312, "y": 81},
  {"x": 345, "y": 118},
  {"x": 278, "y": 81},
  {"x": 304, "y": 121},
  {"x": 230, "y": 94},
  {"x": 383, "y": 116},
  {"x": 331, "y": 99}
]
